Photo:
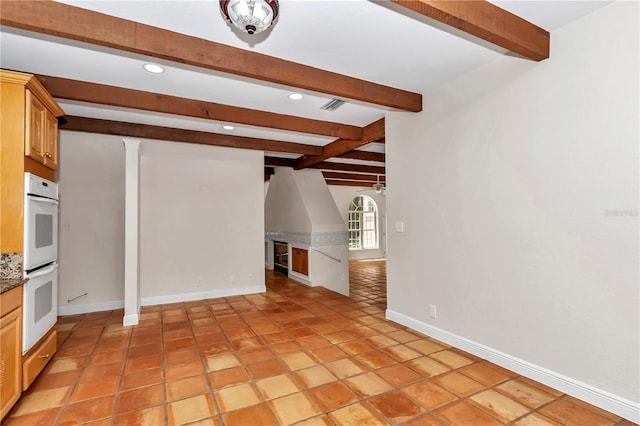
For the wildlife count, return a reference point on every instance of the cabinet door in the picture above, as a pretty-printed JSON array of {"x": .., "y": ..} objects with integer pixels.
[
  {"x": 304, "y": 262},
  {"x": 300, "y": 261},
  {"x": 34, "y": 144},
  {"x": 50, "y": 141},
  {"x": 10, "y": 360}
]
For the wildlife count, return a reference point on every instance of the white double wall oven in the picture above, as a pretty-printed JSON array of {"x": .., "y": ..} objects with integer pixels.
[{"x": 40, "y": 258}]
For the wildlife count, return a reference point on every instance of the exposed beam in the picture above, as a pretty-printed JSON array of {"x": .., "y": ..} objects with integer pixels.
[
  {"x": 354, "y": 177},
  {"x": 325, "y": 165},
  {"x": 287, "y": 162},
  {"x": 370, "y": 133},
  {"x": 108, "y": 127},
  {"x": 157, "y": 102},
  {"x": 280, "y": 162},
  {"x": 364, "y": 155},
  {"x": 487, "y": 22},
  {"x": 348, "y": 183},
  {"x": 61, "y": 20},
  {"x": 268, "y": 171}
]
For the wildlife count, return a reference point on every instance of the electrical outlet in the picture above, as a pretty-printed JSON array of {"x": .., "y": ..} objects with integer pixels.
[
  {"x": 250, "y": 277},
  {"x": 199, "y": 281},
  {"x": 433, "y": 311}
]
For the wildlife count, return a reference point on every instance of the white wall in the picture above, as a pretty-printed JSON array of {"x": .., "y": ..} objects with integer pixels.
[
  {"x": 518, "y": 188},
  {"x": 343, "y": 196},
  {"x": 201, "y": 221},
  {"x": 91, "y": 221}
]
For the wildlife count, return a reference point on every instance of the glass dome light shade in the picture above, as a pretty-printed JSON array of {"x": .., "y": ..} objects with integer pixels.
[{"x": 251, "y": 16}]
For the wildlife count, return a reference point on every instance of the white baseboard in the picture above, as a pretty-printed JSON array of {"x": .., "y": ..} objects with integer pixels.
[
  {"x": 90, "y": 307},
  {"x": 199, "y": 295},
  {"x": 158, "y": 300},
  {"x": 302, "y": 279},
  {"x": 128, "y": 320},
  {"x": 625, "y": 408}
]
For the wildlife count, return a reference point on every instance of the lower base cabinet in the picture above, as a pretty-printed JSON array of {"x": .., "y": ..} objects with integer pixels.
[
  {"x": 37, "y": 359},
  {"x": 10, "y": 349}
]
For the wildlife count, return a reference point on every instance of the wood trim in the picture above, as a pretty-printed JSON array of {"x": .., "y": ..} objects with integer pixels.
[
  {"x": 370, "y": 133},
  {"x": 364, "y": 155},
  {"x": 487, "y": 22},
  {"x": 39, "y": 169},
  {"x": 61, "y": 20},
  {"x": 354, "y": 176},
  {"x": 136, "y": 99},
  {"x": 120, "y": 128}
]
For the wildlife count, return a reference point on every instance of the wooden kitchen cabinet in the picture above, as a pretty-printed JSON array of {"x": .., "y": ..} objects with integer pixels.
[
  {"x": 300, "y": 260},
  {"x": 29, "y": 132},
  {"x": 41, "y": 132},
  {"x": 38, "y": 358},
  {"x": 10, "y": 349}
]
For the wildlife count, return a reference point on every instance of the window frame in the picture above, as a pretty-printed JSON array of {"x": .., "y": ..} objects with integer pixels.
[{"x": 363, "y": 225}]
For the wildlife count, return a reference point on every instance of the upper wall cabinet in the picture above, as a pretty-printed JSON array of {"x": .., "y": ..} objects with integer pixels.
[
  {"x": 41, "y": 132},
  {"x": 39, "y": 112},
  {"x": 28, "y": 143}
]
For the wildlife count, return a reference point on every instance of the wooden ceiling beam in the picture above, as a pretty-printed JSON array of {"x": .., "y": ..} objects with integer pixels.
[
  {"x": 348, "y": 183},
  {"x": 74, "y": 23},
  {"x": 366, "y": 178},
  {"x": 145, "y": 131},
  {"x": 370, "y": 133},
  {"x": 326, "y": 165},
  {"x": 136, "y": 99},
  {"x": 363, "y": 155},
  {"x": 279, "y": 162},
  {"x": 487, "y": 22}
]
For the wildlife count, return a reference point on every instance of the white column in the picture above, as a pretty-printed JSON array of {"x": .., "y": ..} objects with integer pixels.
[{"x": 131, "y": 235}]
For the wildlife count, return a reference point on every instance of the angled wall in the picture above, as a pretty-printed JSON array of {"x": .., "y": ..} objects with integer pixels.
[{"x": 300, "y": 211}]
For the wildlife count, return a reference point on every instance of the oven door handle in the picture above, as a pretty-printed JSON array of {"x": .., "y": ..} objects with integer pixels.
[
  {"x": 43, "y": 199},
  {"x": 42, "y": 272}
]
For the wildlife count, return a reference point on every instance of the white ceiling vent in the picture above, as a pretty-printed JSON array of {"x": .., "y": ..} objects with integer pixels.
[{"x": 333, "y": 104}]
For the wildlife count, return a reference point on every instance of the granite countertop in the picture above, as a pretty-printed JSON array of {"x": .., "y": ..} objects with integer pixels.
[
  {"x": 7, "y": 284},
  {"x": 11, "y": 273}
]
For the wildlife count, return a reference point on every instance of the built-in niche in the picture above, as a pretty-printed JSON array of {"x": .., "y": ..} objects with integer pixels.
[{"x": 281, "y": 257}]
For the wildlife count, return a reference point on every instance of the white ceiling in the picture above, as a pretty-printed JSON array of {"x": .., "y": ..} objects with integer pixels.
[{"x": 374, "y": 41}]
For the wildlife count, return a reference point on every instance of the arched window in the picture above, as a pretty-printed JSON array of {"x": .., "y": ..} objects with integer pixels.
[{"x": 363, "y": 223}]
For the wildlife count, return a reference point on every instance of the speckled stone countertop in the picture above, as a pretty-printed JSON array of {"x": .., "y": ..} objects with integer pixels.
[
  {"x": 7, "y": 284},
  {"x": 11, "y": 274}
]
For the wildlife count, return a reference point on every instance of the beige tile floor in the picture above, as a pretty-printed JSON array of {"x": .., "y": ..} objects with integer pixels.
[{"x": 294, "y": 355}]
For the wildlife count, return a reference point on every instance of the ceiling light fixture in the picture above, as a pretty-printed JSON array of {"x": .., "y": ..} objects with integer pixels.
[
  {"x": 296, "y": 96},
  {"x": 227, "y": 127},
  {"x": 154, "y": 68},
  {"x": 251, "y": 16}
]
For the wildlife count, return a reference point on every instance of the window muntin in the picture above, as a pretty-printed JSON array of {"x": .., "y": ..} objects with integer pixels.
[{"x": 363, "y": 223}]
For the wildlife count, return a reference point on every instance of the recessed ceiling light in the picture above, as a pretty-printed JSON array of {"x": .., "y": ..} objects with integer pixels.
[
  {"x": 227, "y": 127},
  {"x": 296, "y": 96},
  {"x": 154, "y": 68}
]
